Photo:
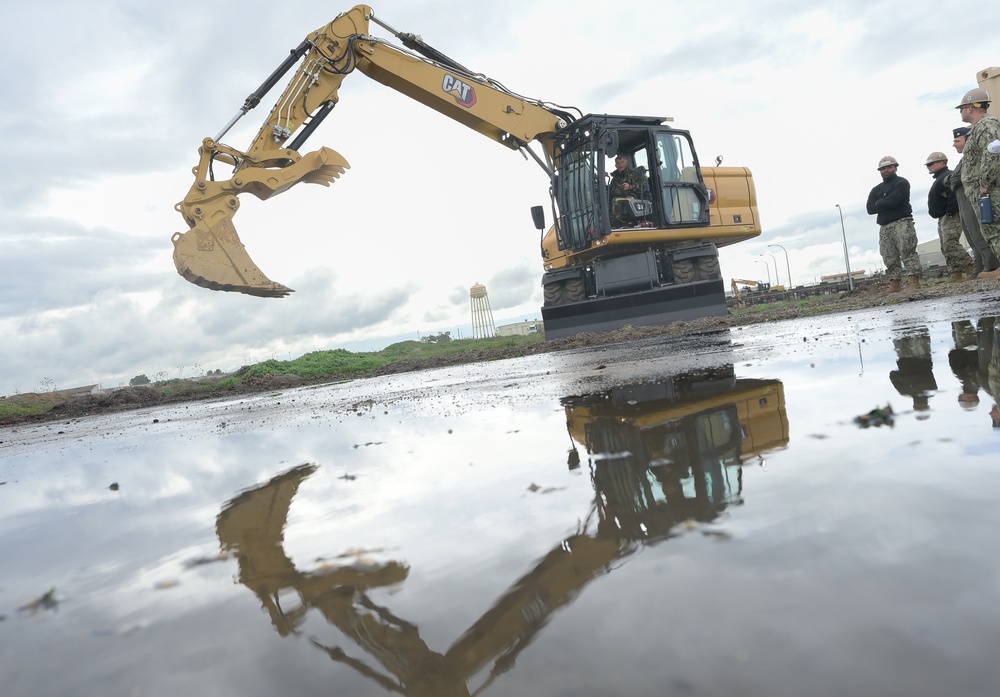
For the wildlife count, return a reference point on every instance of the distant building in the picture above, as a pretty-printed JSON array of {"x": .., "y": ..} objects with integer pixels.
[
  {"x": 841, "y": 277},
  {"x": 76, "y": 391},
  {"x": 525, "y": 328},
  {"x": 930, "y": 252}
]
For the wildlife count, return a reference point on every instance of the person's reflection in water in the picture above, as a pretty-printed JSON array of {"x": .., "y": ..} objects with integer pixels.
[
  {"x": 914, "y": 375},
  {"x": 964, "y": 362},
  {"x": 989, "y": 363}
]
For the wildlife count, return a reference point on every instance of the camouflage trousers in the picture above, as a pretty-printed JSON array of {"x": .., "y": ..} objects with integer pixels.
[
  {"x": 897, "y": 243},
  {"x": 949, "y": 233},
  {"x": 990, "y": 231}
]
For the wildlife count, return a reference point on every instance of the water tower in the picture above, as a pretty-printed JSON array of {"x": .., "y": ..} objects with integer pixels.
[{"x": 482, "y": 316}]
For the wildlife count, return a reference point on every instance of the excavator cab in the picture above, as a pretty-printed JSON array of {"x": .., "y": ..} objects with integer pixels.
[
  {"x": 614, "y": 258},
  {"x": 672, "y": 193}
]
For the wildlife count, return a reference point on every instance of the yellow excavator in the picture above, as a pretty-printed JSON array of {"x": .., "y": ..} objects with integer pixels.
[
  {"x": 666, "y": 458},
  {"x": 743, "y": 286},
  {"x": 658, "y": 262}
]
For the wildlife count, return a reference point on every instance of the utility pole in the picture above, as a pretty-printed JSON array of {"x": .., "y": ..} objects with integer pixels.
[
  {"x": 761, "y": 261},
  {"x": 787, "y": 265},
  {"x": 847, "y": 261},
  {"x": 777, "y": 276}
]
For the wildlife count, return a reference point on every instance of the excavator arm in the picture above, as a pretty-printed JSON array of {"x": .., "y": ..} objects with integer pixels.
[{"x": 211, "y": 254}]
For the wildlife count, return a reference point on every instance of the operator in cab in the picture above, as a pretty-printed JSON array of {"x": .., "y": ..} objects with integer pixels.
[{"x": 625, "y": 183}]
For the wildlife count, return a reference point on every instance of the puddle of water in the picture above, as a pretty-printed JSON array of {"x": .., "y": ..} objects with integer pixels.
[{"x": 689, "y": 517}]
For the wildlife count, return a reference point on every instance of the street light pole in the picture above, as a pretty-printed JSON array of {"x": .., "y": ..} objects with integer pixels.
[
  {"x": 847, "y": 261},
  {"x": 787, "y": 265},
  {"x": 761, "y": 261},
  {"x": 777, "y": 276}
]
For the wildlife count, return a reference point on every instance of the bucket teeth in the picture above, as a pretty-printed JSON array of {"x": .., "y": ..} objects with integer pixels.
[{"x": 214, "y": 258}]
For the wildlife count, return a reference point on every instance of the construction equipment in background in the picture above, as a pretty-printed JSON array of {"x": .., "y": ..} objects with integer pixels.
[
  {"x": 748, "y": 287},
  {"x": 658, "y": 263},
  {"x": 666, "y": 458}
]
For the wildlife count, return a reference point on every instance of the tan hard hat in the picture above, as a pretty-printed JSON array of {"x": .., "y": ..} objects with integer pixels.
[
  {"x": 977, "y": 97},
  {"x": 887, "y": 161},
  {"x": 936, "y": 157}
]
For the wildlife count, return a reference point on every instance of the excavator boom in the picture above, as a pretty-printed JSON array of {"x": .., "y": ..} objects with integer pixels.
[{"x": 211, "y": 254}]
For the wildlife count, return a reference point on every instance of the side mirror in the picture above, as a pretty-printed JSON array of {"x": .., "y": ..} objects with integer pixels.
[
  {"x": 610, "y": 139},
  {"x": 538, "y": 217}
]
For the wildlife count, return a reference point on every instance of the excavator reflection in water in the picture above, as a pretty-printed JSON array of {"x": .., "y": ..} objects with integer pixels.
[{"x": 661, "y": 455}]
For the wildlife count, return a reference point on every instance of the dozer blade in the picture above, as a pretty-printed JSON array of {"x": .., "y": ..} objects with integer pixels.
[
  {"x": 649, "y": 308},
  {"x": 214, "y": 258}
]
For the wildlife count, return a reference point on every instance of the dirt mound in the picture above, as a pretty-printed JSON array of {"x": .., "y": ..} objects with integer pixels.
[
  {"x": 126, "y": 398},
  {"x": 273, "y": 382}
]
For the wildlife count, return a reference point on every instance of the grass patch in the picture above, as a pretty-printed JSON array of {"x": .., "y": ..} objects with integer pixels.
[
  {"x": 13, "y": 407},
  {"x": 418, "y": 349},
  {"x": 344, "y": 362},
  {"x": 316, "y": 363}
]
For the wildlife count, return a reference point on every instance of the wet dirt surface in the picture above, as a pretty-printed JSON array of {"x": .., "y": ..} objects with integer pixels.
[{"x": 696, "y": 514}]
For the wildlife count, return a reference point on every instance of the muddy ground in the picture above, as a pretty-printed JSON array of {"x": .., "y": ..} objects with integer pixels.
[{"x": 865, "y": 298}]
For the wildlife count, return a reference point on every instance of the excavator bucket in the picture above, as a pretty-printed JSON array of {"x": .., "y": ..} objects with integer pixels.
[
  {"x": 214, "y": 258},
  {"x": 210, "y": 254}
]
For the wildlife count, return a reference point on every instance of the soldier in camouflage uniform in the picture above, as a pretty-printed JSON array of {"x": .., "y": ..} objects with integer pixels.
[
  {"x": 943, "y": 206},
  {"x": 989, "y": 363},
  {"x": 964, "y": 362},
  {"x": 985, "y": 259},
  {"x": 625, "y": 183},
  {"x": 914, "y": 374},
  {"x": 980, "y": 167},
  {"x": 897, "y": 237}
]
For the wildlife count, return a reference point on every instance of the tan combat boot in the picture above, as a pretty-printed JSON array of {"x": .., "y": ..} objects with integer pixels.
[
  {"x": 894, "y": 286},
  {"x": 956, "y": 277},
  {"x": 914, "y": 283}
]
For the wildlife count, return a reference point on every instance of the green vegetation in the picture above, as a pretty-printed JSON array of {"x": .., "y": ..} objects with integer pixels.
[
  {"x": 15, "y": 406},
  {"x": 415, "y": 349},
  {"x": 344, "y": 362},
  {"x": 334, "y": 363}
]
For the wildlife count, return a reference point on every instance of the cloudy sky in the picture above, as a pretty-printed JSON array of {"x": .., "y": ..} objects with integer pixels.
[{"x": 106, "y": 102}]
